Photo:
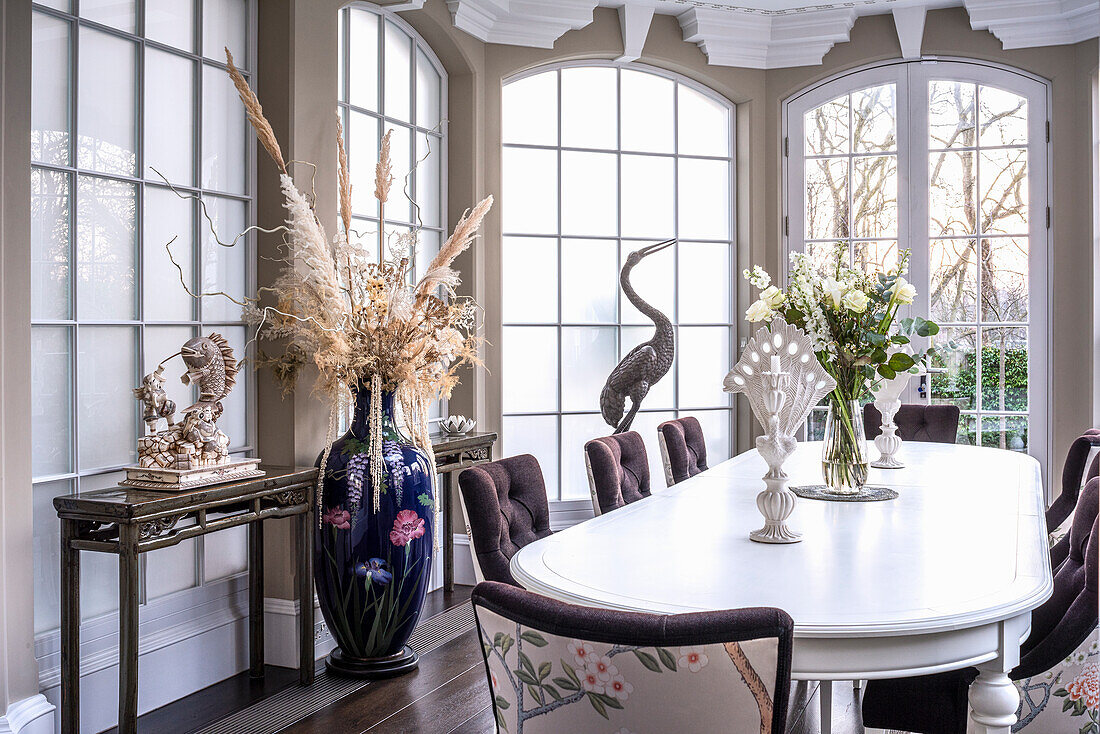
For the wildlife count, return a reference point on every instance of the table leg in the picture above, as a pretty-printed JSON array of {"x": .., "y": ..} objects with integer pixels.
[
  {"x": 256, "y": 599},
  {"x": 825, "y": 691},
  {"x": 448, "y": 533},
  {"x": 70, "y": 630},
  {"x": 993, "y": 696},
  {"x": 306, "y": 653},
  {"x": 127, "y": 628}
]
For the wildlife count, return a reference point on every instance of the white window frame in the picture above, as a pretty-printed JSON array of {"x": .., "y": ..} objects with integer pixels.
[
  {"x": 912, "y": 78},
  {"x": 570, "y": 511}
]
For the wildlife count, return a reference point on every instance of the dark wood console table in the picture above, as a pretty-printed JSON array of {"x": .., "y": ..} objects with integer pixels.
[
  {"x": 452, "y": 455},
  {"x": 128, "y": 522}
]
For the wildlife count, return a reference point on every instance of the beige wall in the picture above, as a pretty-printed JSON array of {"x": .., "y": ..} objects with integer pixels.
[
  {"x": 18, "y": 669},
  {"x": 296, "y": 78}
]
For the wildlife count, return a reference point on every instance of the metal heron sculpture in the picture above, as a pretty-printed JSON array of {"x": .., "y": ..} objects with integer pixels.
[{"x": 646, "y": 363}]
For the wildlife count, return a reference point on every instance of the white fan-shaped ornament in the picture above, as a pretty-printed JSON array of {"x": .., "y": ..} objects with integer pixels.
[{"x": 779, "y": 374}]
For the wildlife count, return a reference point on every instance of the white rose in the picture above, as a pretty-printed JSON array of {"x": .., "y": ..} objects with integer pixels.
[
  {"x": 904, "y": 291},
  {"x": 834, "y": 291},
  {"x": 758, "y": 311},
  {"x": 855, "y": 300},
  {"x": 772, "y": 296}
]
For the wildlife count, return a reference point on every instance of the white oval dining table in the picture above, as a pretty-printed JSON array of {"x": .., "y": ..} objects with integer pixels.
[{"x": 942, "y": 577}]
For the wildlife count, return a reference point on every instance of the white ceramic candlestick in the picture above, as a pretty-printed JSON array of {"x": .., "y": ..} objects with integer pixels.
[
  {"x": 776, "y": 502},
  {"x": 888, "y": 442},
  {"x": 780, "y": 397}
]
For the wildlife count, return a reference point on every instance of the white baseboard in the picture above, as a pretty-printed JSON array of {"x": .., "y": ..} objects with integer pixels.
[
  {"x": 34, "y": 715},
  {"x": 281, "y": 632}
]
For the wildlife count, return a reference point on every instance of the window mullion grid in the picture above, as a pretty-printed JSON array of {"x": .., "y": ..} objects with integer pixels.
[
  {"x": 619, "y": 211},
  {"x": 850, "y": 161},
  {"x": 561, "y": 385},
  {"x": 978, "y": 320},
  {"x": 676, "y": 247}
]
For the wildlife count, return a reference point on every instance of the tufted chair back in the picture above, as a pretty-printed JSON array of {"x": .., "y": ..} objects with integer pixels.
[
  {"x": 926, "y": 423},
  {"x": 1082, "y": 464},
  {"x": 618, "y": 470},
  {"x": 506, "y": 508},
  {"x": 555, "y": 667},
  {"x": 1069, "y": 616},
  {"x": 683, "y": 449}
]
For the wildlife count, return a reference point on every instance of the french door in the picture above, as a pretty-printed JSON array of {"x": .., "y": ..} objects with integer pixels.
[{"x": 949, "y": 160}]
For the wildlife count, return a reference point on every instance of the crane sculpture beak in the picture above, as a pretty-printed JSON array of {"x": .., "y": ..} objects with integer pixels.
[{"x": 650, "y": 249}]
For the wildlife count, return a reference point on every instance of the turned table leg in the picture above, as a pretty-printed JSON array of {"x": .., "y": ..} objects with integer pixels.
[
  {"x": 993, "y": 696},
  {"x": 70, "y": 630}
]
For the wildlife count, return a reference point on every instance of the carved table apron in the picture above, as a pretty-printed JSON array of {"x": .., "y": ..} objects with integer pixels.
[
  {"x": 129, "y": 522},
  {"x": 452, "y": 455}
]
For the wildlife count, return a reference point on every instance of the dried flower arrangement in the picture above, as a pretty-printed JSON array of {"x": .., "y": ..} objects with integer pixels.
[{"x": 364, "y": 325}]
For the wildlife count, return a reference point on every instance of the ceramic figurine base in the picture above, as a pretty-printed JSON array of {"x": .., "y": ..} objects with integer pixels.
[
  {"x": 390, "y": 666},
  {"x": 179, "y": 480},
  {"x": 776, "y": 503},
  {"x": 887, "y": 462}
]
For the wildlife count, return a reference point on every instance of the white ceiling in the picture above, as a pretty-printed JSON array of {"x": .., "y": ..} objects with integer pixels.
[{"x": 767, "y": 34}]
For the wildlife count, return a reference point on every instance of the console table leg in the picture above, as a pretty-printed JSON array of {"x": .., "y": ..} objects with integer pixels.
[
  {"x": 305, "y": 599},
  {"x": 127, "y": 629},
  {"x": 70, "y": 630},
  {"x": 448, "y": 533},
  {"x": 256, "y": 599}
]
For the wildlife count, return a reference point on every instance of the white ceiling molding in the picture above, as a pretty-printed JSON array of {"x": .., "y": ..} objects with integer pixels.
[
  {"x": 759, "y": 41},
  {"x": 769, "y": 34},
  {"x": 909, "y": 23},
  {"x": 634, "y": 19},
  {"x": 534, "y": 23},
  {"x": 1029, "y": 23}
]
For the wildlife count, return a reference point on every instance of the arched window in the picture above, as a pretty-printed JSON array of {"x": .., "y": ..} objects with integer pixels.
[
  {"x": 949, "y": 160},
  {"x": 600, "y": 160},
  {"x": 389, "y": 79}
]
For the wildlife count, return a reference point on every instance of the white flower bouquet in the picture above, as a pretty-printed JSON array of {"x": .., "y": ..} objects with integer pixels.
[{"x": 851, "y": 316}]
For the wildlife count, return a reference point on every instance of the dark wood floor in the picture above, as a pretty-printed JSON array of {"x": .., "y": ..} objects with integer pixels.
[{"x": 448, "y": 694}]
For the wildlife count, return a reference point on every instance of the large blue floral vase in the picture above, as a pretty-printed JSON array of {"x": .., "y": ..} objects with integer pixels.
[{"x": 372, "y": 569}]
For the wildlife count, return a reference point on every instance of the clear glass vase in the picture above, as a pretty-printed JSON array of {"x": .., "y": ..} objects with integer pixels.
[{"x": 844, "y": 453}]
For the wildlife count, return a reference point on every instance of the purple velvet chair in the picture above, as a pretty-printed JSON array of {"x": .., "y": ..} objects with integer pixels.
[
  {"x": 937, "y": 704},
  {"x": 915, "y": 422},
  {"x": 558, "y": 667},
  {"x": 683, "y": 449},
  {"x": 618, "y": 471},
  {"x": 506, "y": 508}
]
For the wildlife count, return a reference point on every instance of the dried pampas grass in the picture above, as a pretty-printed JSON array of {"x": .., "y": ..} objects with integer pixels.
[{"x": 255, "y": 112}]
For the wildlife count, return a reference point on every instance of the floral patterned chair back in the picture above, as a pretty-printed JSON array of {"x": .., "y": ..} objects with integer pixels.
[
  {"x": 555, "y": 667},
  {"x": 618, "y": 470},
  {"x": 683, "y": 449}
]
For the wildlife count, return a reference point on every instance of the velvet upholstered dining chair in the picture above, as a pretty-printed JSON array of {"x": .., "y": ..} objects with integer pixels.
[
  {"x": 558, "y": 667},
  {"x": 935, "y": 423},
  {"x": 683, "y": 449},
  {"x": 1053, "y": 671},
  {"x": 618, "y": 471},
  {"x": 1082, "y": 464},
  {"x": 506, "y": 508}
]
